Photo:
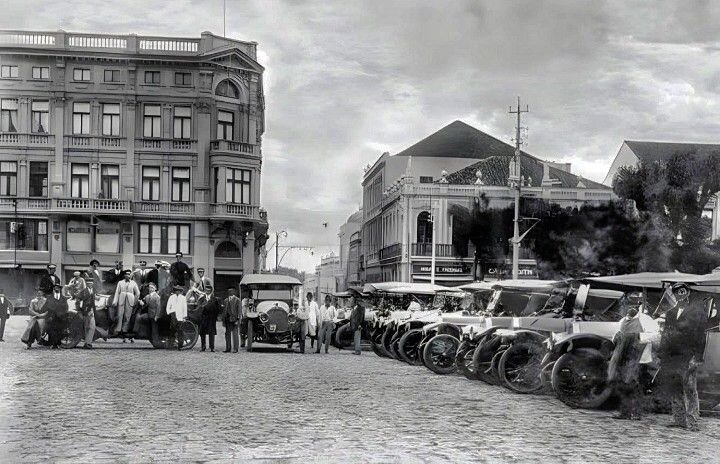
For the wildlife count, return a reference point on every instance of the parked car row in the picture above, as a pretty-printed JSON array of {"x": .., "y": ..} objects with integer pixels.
[{"x": 538, "y": 336}]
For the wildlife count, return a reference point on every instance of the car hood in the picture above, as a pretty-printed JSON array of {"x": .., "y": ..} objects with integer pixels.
[{"x": 265, "y": 306}]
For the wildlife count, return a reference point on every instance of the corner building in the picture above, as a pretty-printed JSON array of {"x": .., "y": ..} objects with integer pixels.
[{"x": 128, "y": 148}]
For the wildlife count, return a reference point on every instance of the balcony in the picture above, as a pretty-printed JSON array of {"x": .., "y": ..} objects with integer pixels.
[
  {"x": 90, "y": 142},
  {"x": 390, "y": 252},
  {"x": 233, "y": 148},
  {"x": 91, "y": 205},
  {"x": 442, "y": 250},
  {"x": 164, "y": 208},
  {"x": 24, "y": 205},
  {"x": 235, "y": 211},
  {"x": 15, "y": 140},
  {"x": 166, "y": 145}
]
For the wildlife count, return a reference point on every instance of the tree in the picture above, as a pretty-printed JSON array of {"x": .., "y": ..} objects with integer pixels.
[
  {"x": 292, "y": 272},
  {"x": 670, "y": 196}
]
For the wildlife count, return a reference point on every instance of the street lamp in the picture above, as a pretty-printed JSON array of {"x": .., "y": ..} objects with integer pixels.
[{"x": 277, "y": 248}]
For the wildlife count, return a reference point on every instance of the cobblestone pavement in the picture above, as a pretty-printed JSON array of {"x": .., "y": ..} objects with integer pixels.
[{"x": 131, "y": 403}]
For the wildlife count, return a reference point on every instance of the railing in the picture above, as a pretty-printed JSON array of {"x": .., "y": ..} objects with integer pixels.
[
  {"x": 91, "y": 205},
  {"x": 26, "y": 140},
  {"x": 169, "y": 45},
  {"x": 232, "y": 146},
  {"x": 95, "y": 41},
  {"x": 392, "y": 251},
  {"x": 235, "y": 210},
  {"x": 27, "y": 38},
  {"x": 166, "y": 145},
  {"x": 442, "y": 250},
  {"x": 90, "y": 142},
  {"x": 372, "y": 257},
  {"x": 24, "y": 204},
  {"x": 164, "y": 208}
]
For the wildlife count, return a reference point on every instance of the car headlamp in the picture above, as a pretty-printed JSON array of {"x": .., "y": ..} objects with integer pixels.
[
  {"x": 263, "y": 317},
  {"x": 291, "y": 318}
]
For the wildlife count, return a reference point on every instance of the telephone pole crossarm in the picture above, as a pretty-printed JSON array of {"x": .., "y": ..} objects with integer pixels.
[{"x": 515, "y": 182}]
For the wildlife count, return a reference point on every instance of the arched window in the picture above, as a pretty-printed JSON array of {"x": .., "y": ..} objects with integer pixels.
[
  {"x": 228, "y": 250},
  {"x": 227, "y": 89},
  {"x": 424, "y": 228}
]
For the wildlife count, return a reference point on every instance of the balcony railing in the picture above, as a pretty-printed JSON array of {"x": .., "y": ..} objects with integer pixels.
[
  {"x": 389, "y": 252},
  {"x": 90, "y": 142},
  {"x": 83, "y": 205},
  {"x": 164, "y": 208},
  {"x": 24, "y": 204},
  {"x": 442, "y": 250},
  {"x": 166, "y": 145},
  {"x": 232, "y": 147},
  {"x": 235, "y": 210},
  {"x": 14, "y": 140}
]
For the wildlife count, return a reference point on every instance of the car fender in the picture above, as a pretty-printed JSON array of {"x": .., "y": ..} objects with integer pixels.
[{"x": 583, "y": 340}]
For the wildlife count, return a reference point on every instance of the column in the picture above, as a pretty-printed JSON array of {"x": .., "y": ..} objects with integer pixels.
[
  {"x": 94, "y": 180},
  {"x": 248, "y": 253},
  {"x": 23, "y": 115},
  {"x": 23, "y": 178},
  {"x": 202, "y": 177},
  {"x": 128, "y": 176},
  {"x": 57, "y": 183},
  {"x": 201, "y": 250}
]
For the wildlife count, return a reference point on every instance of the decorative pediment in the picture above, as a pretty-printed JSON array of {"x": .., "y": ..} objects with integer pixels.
[{"x": 235, "y": 59}]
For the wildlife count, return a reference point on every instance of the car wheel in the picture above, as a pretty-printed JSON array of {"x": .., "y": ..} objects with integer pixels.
[
  {"x": 343, "y": 337},
  {"x": 190, "y": 335},
  {"x": 439, "y": 354},
  {"x": 408, "y": 347},
  {"x": 464, "y": 359},
  {"x": 375, "y": 340},
  {"x": 250, "y": 335},
  {"x": 519, "y": 367},
  {"x": 579, "y": 378},
  {"x": 385, "y": 341},
  {"x": 483, "y": 357},
  {"x": 73, "y": 332}
]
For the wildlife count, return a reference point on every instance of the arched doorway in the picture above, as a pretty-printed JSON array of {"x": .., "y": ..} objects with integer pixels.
[{"x": 228, "y": 267}]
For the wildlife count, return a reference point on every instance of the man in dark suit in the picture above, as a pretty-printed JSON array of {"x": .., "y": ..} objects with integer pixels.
[
  {"x": 152, "y": 275},
  {"x": 48, "y": 281},
  {"x": 180, "y": 271},
  {"x": 56, "y": 308},
  {"x": 94, "y": 273},
  {"x": 681, "y": 352},
  {"x": 6, "y": 309},
  {"x": 231, "y": 319},
  {"x": 85, "y": 304}
]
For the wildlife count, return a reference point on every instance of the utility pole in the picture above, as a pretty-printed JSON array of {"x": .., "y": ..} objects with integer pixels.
[
  {"x": 432, "y": 242},
  {"x": 277, "y": 248},
  {"x": 515, "y": 182}
]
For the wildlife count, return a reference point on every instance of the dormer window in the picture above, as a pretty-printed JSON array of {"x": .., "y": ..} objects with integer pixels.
[{"x": 227, "y": 89}]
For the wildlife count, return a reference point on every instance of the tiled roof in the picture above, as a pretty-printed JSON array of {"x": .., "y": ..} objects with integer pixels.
[
  {"x": 495, "y": 171},
  {"x": 657, "y": 151}
]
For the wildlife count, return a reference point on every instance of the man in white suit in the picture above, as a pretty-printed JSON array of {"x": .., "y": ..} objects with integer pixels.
[{"x": 126, "y": 295}]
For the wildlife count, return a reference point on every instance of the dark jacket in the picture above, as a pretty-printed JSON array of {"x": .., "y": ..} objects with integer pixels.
[
  {"x": 47, "y": 282},
  {"x": 209, "y": 315},
  {"x": 233, "y": 310},
  {"x": 85, "y": 302},
  {"x": 180, "y": 272},
  {"x": 685, "y": 337},
  {"x": 152, "y": 276},
  {"x": 57, "y": 311},
  {"x": 357, "y": 317},
  {"x": 6, "y": 308}
]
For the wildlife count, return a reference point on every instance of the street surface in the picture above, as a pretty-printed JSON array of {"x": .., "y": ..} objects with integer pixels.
[{"x": 131, "y": 403}]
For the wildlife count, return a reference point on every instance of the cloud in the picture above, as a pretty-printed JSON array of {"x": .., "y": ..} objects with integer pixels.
[{"x": 347, "y": 80}]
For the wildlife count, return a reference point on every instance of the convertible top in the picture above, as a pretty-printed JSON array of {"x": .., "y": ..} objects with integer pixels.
[
  {"x": 521, "y": 284},
  {"x": 380, "y": 286},
  {"x": 478, "y": 286},
  {"x": 642, "y": 279},
  {"x": 272, "y": 279},
  {"x": 704, "y": 283},
  {"x": 421, "y": 289}
]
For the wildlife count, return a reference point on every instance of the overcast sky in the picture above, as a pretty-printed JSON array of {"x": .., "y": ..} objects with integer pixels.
[{"x": 347, "y": 80}]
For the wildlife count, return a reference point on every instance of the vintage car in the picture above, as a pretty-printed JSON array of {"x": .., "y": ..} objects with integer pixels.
[
  {"x": 140, "y": 323},
  {"x": 271, "y": 319},
  {"x": 341, "y": 336}
]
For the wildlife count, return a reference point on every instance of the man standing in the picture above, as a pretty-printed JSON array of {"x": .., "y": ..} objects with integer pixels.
[
  {"x": 6, "y": 309},
  {"x": 114, "y": 276},
  {"x": 85, "y": 305},
  {"x": 152, "y": 275},
  {"x": 211, "y": 308},
  {"x": 126, "y": 295},
  {"x": 154, "y": 309},
  {"x": 303, "y": 314},
  {"x": 681, "y": 352},
  {"x": 140, "y": 277},
  {"x": 177, "y": 310},
  {"x": 326, "y": 323},
  {"x": 94, "y": 273},
  {"x": 48, "y": 281},
  {"x": 624, "y": 366},
  {"x": 56, "y": 307},
  {"x": 180, "y": 271},
  {"x": 247, "y": 305},
  {"x": 36, "y": 328},
  {"x": 76, "y": 284},
  {"x": 202, "y": 282},
  {"x": 231, "y": 317},
  {"x": 357, "y": 317}
]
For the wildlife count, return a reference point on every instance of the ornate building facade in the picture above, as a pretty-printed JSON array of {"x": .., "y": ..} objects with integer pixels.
[{"x": 129, "y": 148}]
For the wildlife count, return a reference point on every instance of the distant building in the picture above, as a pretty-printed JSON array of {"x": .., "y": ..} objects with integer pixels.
[
  {"x": 448, "y": 170},
  {"x": 349, "y": 237},
  {"x": 329, "y": 274},
  {"x": 633, "y": 152}
]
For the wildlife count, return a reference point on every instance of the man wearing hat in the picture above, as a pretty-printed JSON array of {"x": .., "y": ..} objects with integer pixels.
[
  {"x": 56, "y": 308},
  {"x": 140, "y": 275},
  {"x": 202, "y": 281},
  {"x": 211, "y": 307},
  {"x": 180, "y": 271},
  {"x": 126, "y": 295},
  {"x": 6, "y": 309},
  {"x": 154, "y": 309},
  {"x": 76, "y": 284},
  {"x": 231, "y": 318},
  {"x": 85, "y": 305},
  {"x": 681, "y": 352},
  {"x": 48, "y": 281},
  {"x": 94, "y": 273},
  {"x": 177, "y": 310},
  {"x": 152, "y": 275}
]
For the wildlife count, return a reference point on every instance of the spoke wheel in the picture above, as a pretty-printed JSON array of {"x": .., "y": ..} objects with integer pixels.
[
  {"x": 464, "y": 360},
  {"x": 520, "y": 366},
  {"x": 386, "y": 339},
  {"x": 439, "y": 354},
  {"x": 408, "y": 347},
  {"x": 580, "y": 378},
  {"x": 73, "y": 332},
  {"x": 483, "y": 358}
]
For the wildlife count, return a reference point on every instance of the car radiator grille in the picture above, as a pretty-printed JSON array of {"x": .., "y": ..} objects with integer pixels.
[{"x": 278, "y": 318}]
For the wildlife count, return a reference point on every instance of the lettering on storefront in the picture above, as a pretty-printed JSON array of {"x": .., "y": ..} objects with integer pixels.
[{"x": 442, "y": 269}]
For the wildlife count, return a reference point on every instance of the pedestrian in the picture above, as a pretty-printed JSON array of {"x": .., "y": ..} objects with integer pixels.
[
  {"x": 247, "y": 315},
  {"x": 326, "y": 323},
  {"x": 49, "y": 280},
  {"x": 85, "y": 305},
  {"x": 94, "y": 273},
  {"x": 152, "y": 275},
  {"x": 76, "y": 284},
  {"x": 36, "y": 325},
  {"x": 114, "y": 276},
  {"x": 624, "y": 366},
  {"x": 165, "y": 282},
  {"x": 211, "y": 309},
  {"x": 152, "y": 304},
  {"x": 127, "y": 294},
  {"x": 313, "y": 324},
  {"x": 231, "y": 318},
  {"x": 177, "y": 310},
  {"x": 202, "y": 281},
  {"x": 357, "y": 318},
  {"x": 6, "y": 309},
  {"x": 140, "y": 276},
  {"x": 682, "y": 345},
  {"x": 180, "y": 271},
  {"x": 56, "y": 308},
  {"x": 303, "y": 315}
]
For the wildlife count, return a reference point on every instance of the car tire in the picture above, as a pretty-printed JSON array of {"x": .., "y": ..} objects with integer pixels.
[
  {"x": 483, "y": 357},
  {"x": 341, "y": 337},
  {"x": 408, "y": 347},
  {"x": 73, "y": 332},
  {"x": 190, "y": 335},
  {"x": 464, "y": 359},
  {"x": 579, "y": 378},
  {"x": 250, "y": 335},
  {"x": 519, "y": 367},
  {"x": 385, "y": 341},
  {"x": 439, "y": 354}
]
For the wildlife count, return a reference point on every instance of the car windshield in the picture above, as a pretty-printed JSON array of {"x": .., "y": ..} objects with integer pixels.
[{"x": 274, "y": 292}]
